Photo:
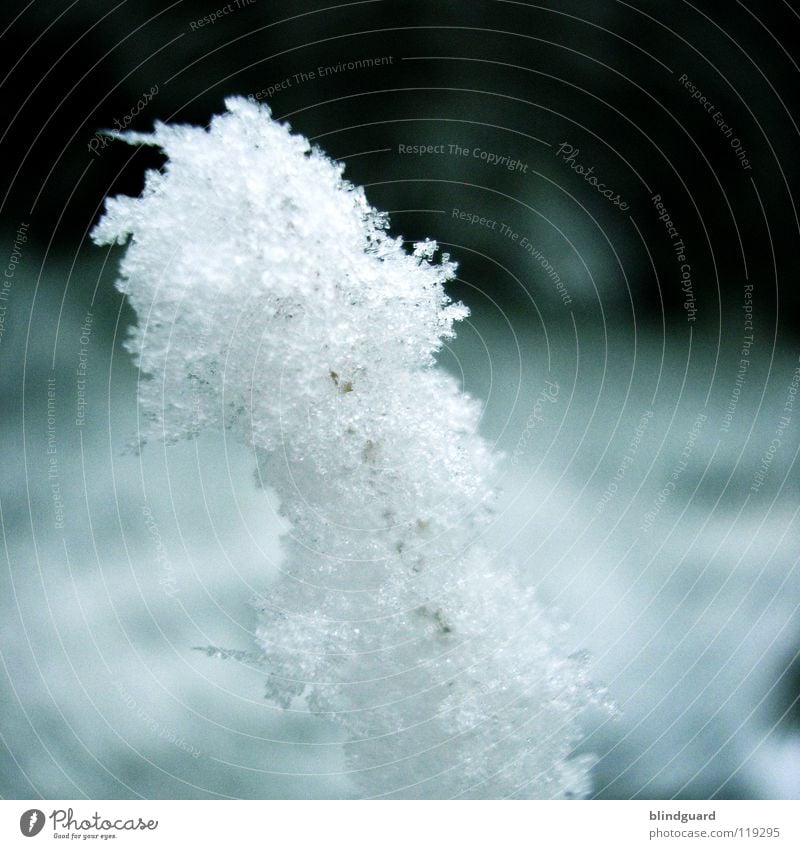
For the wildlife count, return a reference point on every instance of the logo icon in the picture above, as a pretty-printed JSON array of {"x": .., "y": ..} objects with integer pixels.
[{"x": 31, "y": 822}]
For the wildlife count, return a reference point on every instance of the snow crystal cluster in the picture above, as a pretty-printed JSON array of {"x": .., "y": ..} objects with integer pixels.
[{"x": 272, "y": 302}]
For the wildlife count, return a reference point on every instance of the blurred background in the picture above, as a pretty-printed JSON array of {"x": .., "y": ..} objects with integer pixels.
[{"x": 634, "y": 342}]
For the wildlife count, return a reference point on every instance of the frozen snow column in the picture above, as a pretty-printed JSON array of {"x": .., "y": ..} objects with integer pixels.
[{"x": 273, "y": 302}]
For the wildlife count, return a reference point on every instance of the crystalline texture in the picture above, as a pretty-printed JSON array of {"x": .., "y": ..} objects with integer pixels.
[{"x": 272, "y": 301}]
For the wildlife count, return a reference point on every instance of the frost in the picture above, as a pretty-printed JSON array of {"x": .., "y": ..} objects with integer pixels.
[{"x": 272, "y": 301}]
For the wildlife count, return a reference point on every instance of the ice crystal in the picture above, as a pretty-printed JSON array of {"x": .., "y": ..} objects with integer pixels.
[{"x": 272, "y": 301}]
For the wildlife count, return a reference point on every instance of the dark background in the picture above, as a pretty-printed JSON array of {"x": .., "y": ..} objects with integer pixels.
[{"x": 506, "y": 76}]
